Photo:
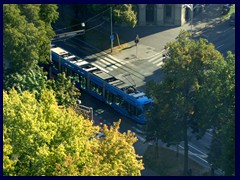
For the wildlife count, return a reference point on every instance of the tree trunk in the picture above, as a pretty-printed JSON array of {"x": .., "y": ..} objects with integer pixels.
[
  {"x": 177, "y": 150},
  {"x": 212, "y": 171},
  {"x": 185, "y": 171},
  {"x": 156, "y": 147}
]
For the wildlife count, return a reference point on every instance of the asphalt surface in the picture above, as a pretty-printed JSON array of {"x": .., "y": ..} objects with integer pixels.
[
  {"x": 207, "y": 24},
  {"x": 144, "y": 61}
]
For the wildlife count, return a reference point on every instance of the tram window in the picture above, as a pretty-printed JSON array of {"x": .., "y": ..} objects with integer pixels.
[
  {"x": 138, "y": 112},
  {"x": 75, "y": 77},
  {"x": 99, "y": 90},
  {"x": 109, "y": 97},
  {"x": 124, "y": 105},
  {"x": 131, "y": 109},
  {"x": 64, "y": 69},
  {"x": 83, "y": 82},
  {"x": 118, "y": 100},
  {"x": 95, "y": 88},
  {"x": 55, "y": 64},
  {"x": 147, "y": 107},
  {"x": 69, "y": 72},
  {"x": 92, "y": 87}
]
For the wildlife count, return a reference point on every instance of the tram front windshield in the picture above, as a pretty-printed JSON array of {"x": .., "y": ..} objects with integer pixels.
[{"x": 147, "y": 107}]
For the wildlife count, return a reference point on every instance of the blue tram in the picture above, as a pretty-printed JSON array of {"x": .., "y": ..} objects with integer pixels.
[{"x": 121, "y": 96}]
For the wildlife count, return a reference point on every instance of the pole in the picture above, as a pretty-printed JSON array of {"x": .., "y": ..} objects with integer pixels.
[
  {"x": 192, "y": 19},
  {"x": 136, "y": 41},
  {"x": 136, "y": 50},
  {"x": 111, "y": 28},
  {"x": 118, "y": 39},
  {"x": 50, "y": 67},
  {"x": 91, "y": 113}
]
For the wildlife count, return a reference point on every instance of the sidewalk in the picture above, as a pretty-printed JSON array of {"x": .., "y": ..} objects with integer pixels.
[{"x": 153, "y": 38}]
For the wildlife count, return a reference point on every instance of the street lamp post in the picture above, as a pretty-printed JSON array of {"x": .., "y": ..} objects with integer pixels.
[
  {"x": 191, "y": 18},
  {"x": 111, "y": 29}
]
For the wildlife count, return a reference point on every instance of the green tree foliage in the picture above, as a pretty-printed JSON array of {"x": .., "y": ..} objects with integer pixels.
[
  {"x": 27, "y": 33},
  {"x": 42, "y": 138},
  {"x": 35, "y": 79},
  {"x": 122, "y": 13},
  {"x": 222, "y": 150},
  {"x": 48, "y": 13},
  {"x": 65, "y": 91},
  {"x": 183, "y": 98}
]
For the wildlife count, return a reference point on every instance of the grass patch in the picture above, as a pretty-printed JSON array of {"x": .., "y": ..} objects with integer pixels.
[{"x": 168, "y": 164}]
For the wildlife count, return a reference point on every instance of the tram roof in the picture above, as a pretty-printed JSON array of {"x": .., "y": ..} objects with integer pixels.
[
  {"x": 129, "y": 89},
  {"x": 59, "y": 50},
  {"x": 144, "y": 100},
  {"x": 103, "y": 75}
]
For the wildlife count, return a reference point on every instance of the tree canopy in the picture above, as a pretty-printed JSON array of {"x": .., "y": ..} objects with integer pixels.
[
  {"x": 27, "y": 34},
  {"x": 42, "y": 138},
  {"x": 222, "y": 149},
  {"x": 122, "y": 13},
  {"x": 190, "y": 95},
  {"x": 35, "y": 79}
]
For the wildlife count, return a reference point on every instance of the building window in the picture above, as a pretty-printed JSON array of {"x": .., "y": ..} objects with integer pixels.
[
  {"x": 150, "y": 11},
  {"x": 168, "y": 11}
]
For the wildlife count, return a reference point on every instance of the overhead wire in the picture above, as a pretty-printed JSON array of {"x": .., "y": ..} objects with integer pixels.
[
  {"x": 61, "y": 39},
  {"x": 82, "y": 22}
]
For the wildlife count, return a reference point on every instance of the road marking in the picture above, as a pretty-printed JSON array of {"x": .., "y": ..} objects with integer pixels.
[
  {"x": 156, "y": 54},
  {"x": 209, "y": 134},
  {"x": 138, "y": 130},
  {"x": 118, "y": 63},
  {"x": 140, "y": 138},
  {"x": 100, "y": 67},
  {"x": 219, "y": 46},
  {"x": 194, "y": 155},
  {"x": 227, "y": 30},
  {"x": 112, "y": 63},
  {"x": 156, "y": 57},
  {"x": 161, "y": 63},
  {"x": 157, "y": 61},
  {"x": 106, "y": 64},
  {"x": 118, "y": 60},
  {"x": 196, "y": 149}
]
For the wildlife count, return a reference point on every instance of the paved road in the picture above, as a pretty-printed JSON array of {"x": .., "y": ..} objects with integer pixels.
[
  {"x": 144, "y": 62},
  {"x": 222, "y": 36}
]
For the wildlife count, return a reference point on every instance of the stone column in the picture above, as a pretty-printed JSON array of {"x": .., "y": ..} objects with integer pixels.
[
  {"x": 142, "y": 14},
  {"x": 179, "y": 18},
  {"x": 159, "y": 16}
]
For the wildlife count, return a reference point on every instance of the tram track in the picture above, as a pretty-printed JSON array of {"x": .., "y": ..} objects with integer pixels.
[{"x": 94, "y": 54}]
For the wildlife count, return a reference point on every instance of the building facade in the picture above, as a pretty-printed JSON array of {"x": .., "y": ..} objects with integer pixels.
[{"x": 162, "y": 14}]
